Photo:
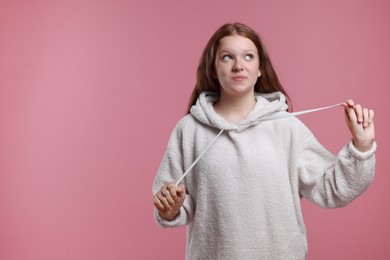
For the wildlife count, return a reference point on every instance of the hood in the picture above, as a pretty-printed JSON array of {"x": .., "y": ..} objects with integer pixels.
[{"x": 266, "y": 106}]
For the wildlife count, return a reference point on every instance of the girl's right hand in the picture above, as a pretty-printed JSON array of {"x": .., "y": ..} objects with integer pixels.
[{"x": 169, "y": 199}]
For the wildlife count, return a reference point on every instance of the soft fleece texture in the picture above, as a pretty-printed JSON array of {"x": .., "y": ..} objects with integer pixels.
[{"x": 243, "y": 196}]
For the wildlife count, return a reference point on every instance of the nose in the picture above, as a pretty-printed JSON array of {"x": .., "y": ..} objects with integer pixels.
[{"x": 238, "y": 66}]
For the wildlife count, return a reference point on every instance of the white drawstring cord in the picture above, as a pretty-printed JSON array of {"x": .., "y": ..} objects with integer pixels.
[
  {"x": 278, "y": 116},
  {"x": 271, "y": 117},
  {"x": 197, "y": 159}
]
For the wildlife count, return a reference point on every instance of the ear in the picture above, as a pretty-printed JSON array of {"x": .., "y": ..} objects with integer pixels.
[{"x": 259, "y": 73}]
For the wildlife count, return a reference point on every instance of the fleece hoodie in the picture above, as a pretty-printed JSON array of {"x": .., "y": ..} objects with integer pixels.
[{"x": 243, "y": 196}]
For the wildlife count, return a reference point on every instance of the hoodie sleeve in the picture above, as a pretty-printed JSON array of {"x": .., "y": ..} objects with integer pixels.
[
  {"x": 330, "y": 181},
  {"x": 170, "y": 170}
]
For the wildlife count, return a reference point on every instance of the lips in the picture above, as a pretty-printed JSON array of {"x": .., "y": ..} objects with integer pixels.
[{"x": 238, "y": 78}]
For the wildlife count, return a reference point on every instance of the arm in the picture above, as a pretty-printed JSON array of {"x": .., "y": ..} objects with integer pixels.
[
  {"x": 330, "y": 181},
  {"x": 173, "y": 207}
]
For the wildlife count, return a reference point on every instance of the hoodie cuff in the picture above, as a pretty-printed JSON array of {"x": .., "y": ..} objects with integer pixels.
[
  {"x": 165, "y": 223},
  {"x": 361, "y": 155}
]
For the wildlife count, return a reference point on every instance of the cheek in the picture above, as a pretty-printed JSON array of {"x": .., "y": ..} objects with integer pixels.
[
  {"x": 221, "y": 71},
  {"x": 221, "y": 78},
  {"x": 256, "y": 69}
]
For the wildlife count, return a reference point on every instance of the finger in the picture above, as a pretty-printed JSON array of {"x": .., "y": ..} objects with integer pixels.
[
  {"x": 167, "y": 195},
  {"x": 349, "y": 103},
  {"x": 172, "y": 189},
  {"x": 370, "y": 119},
  {"x": 359, "y": 113},
  {"x": 371, "y": 115},
  {"x": 350, "y": 115},
  {"x": 365, "y": 118},
  {"x": 164, "y": 200},
  {"x": 181, "y": 191},
  {"x": 157, "y": 203}
]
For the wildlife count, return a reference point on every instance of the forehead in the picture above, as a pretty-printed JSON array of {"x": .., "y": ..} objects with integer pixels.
[{"x": 236, "y": 43}]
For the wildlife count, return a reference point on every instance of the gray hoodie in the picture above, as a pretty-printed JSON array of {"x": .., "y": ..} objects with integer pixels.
[{"x": 243, "y": 196}]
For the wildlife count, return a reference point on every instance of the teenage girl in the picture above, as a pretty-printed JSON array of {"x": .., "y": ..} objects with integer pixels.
[{"x": 242, "y": 198}]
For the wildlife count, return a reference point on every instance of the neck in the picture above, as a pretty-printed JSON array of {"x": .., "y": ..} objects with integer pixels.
[{"x": 235, "y": 108}]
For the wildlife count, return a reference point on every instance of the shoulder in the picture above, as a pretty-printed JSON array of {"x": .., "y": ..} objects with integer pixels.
[
  {"x": 184, "y": 126},
  {"x": 186, "y": 122},
  {"x": 294, "y": 127}
]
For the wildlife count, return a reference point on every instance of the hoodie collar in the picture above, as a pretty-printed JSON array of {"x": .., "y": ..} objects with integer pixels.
[{"x": 266, "y": 105}]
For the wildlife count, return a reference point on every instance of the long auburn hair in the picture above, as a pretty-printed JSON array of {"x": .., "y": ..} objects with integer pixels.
[{"x": 205, "y": 75}]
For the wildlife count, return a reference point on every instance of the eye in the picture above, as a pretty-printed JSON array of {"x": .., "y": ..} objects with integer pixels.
[
  {"x": 249, "y": 57},
  {"x": 226, "y": 57}
]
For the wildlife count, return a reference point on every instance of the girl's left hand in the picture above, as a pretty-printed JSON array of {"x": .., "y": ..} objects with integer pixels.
[{"x": 360, "y": 122}]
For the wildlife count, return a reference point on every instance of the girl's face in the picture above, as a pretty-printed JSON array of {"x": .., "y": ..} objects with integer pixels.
[{"x": 237, "y": 65}]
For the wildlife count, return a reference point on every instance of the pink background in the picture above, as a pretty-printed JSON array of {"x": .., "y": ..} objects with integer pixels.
[{"x": 90, "y": 91}]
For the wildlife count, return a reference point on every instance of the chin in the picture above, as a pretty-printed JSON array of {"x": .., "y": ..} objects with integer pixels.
[{"x": 237, "y": 91}]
